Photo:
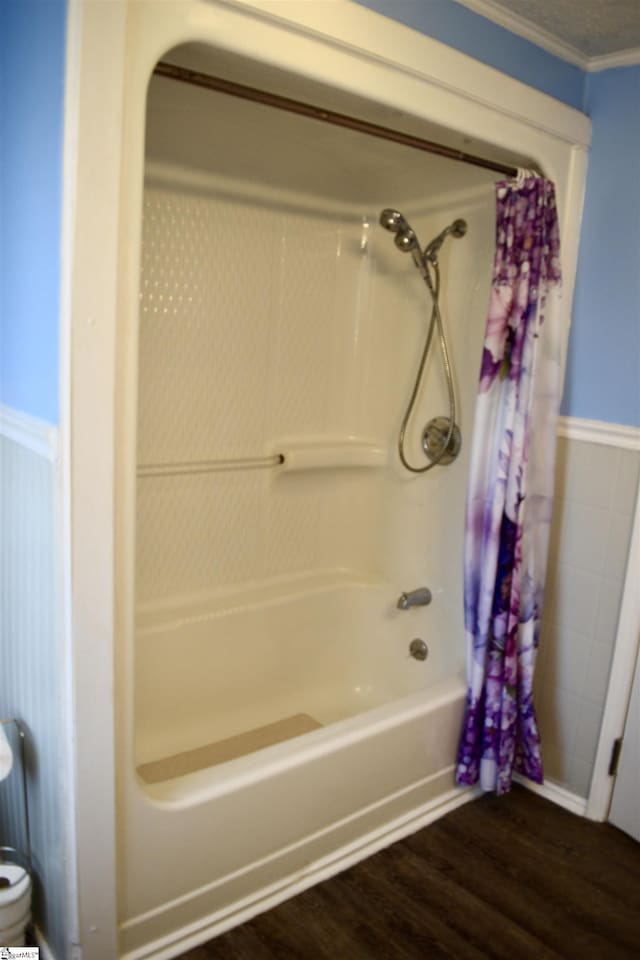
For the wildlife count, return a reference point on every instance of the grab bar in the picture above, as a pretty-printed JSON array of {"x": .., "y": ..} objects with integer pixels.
[
  {"x": 208, "y": 466},
  {"x": 300, "y": 455}
]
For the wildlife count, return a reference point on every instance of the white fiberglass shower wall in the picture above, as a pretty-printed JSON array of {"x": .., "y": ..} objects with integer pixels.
[
  {"x": 279, "y": 321},
  {"x": 268, "y": 336}
]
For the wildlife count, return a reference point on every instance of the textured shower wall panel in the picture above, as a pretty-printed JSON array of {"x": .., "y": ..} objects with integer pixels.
[
  {"x": 325, "y": 520},
  {"x": 424, "y": 525},
  {"x": 31, "y": 679},
  {"x": 313, "y": 323},
  {"x": 401, "y": 309},
  {"x": 249, "y": 338},
  {"x": 205, "y": 328},
  {"x": 197, "y": 532}
]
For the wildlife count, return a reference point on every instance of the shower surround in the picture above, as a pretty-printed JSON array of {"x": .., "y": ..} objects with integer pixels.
[
  {"x": 279, "y": 337},
  {"x": 264, "y": 317}
]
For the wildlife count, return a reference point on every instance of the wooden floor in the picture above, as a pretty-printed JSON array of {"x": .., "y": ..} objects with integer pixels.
[{"x": 515, "y": 878}]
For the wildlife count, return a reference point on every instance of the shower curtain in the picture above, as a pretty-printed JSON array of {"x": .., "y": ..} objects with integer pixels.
[{"x": 510, "y": 489}]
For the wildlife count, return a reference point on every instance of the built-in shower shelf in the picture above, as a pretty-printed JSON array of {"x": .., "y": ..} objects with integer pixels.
[{"x": 330, "y": 454}]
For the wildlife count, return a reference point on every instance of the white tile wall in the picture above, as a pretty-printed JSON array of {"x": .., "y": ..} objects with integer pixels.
[{"x": 591, "y": 527}]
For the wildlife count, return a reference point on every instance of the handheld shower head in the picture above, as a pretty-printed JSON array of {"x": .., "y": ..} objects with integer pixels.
[
  {"x": 457, "y": 229},
  {"x": 392, "y": 220},
  {"x": 405, "y": 238}
]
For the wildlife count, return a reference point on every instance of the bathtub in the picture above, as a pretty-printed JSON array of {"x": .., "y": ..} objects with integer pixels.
[
  {"x": 212, "y": 847},
  {"x": 314, "y": 647}
]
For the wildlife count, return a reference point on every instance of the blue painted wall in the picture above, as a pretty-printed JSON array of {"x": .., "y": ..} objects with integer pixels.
[
  {"x": 32, "y": 65},
  {"x": 603, "y": 370},
  {"x": 603, "y": 365},
  {"x": 458, "y": 27}
]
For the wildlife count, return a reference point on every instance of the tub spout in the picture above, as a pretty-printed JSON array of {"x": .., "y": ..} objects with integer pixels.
[{"x": 414, "y": 598}]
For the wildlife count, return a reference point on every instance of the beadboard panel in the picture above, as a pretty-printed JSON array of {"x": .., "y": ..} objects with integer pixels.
[
  {"x": 31, "y": 681},
  {"x": 595, "y": 493}
]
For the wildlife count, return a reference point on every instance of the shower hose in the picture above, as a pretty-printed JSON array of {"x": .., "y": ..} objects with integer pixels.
[{"x": 435, "y": 323}]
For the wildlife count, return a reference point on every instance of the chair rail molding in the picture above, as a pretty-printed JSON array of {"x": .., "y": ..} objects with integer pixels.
[
  {"x": 36, "y": 435},
  {"x": 598, "y": 431}
]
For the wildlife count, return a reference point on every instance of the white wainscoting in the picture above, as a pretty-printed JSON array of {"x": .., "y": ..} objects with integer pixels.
[{"x": 32, "y": 675}]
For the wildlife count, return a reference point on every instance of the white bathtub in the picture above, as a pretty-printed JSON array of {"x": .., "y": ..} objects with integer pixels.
[
  {"x": 207, "y": 850},
  {"x": 323, "y": 646}
]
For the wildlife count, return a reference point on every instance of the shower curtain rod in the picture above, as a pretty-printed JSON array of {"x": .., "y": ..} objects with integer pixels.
[{"x": 184, "y": 75}]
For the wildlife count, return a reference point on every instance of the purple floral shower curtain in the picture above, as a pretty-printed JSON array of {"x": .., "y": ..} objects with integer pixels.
[{"x": 510, "y": 489}]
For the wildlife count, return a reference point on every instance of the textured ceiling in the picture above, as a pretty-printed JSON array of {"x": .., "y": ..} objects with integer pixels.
[{"x": 594, "y": 27}]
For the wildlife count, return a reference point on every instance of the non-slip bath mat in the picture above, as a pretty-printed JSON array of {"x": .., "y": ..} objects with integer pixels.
[{"x": 168, "y": 768}]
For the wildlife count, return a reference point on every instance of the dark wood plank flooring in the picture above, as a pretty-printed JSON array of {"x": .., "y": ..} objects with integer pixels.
[{"x": 515, "y": 878}]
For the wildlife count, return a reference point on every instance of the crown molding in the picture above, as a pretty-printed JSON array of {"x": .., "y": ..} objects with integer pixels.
[
  {"x": 624, "y": 58},
  {"x": 542, "y": 38},
  {"x": 528, "y": 31}
]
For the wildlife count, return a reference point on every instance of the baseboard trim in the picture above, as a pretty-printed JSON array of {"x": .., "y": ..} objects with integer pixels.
[
  {"x": 35, "y": 435},
  {"x": 597, "y": 431},
  {"x": 176, "y": 943},
  {"x": 556, "y": 794}
]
